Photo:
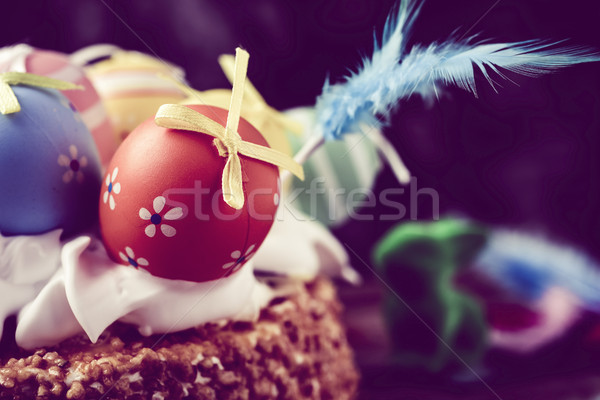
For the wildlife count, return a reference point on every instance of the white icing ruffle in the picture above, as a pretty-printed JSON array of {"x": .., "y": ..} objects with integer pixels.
[
  {"x": 26, "y": 264},
  {"x": 91, "y": 291},
  {"x": 61, "y": 289},
  {"x": 300, "y": 247}
]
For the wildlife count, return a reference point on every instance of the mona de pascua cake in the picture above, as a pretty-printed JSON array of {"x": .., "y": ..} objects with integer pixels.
[
  {"x": 78, "y": 308},
  {"x": 77, "y": 293}
]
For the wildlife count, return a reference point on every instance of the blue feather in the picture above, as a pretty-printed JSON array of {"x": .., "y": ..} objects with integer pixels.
[
  {"x": 367, "y": 97},
  {"x": 527, "y": 266}
]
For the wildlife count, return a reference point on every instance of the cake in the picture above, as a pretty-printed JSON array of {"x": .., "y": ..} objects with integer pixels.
[{"x": 296, "y": 350}]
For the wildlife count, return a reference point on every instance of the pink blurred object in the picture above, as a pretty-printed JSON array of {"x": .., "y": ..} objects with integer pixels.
[
  {"x": 555, "y": 312},
  {"x": 23, "y": 58}
]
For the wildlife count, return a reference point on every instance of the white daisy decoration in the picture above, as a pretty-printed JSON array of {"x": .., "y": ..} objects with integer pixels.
[
  {"x": 239, "y": 259},
  {"x": 129, "y": 257},
  {"x": 156, "y": 219},
  {"x": 112, "y": 188},
  {"x": 73, "y": 165}
]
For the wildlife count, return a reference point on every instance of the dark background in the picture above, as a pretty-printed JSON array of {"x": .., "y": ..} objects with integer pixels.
[{"x": 526, "y": 158}]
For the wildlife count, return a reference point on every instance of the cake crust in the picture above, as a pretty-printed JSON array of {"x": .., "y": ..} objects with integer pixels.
[{"x": 296, "y": 350}]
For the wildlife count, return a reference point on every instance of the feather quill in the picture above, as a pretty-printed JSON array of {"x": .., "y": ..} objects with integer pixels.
[{"x": 393, "y": 73}]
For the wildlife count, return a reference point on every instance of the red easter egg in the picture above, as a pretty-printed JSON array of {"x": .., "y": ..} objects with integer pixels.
[
  {"x": 23, "y": 58},
  {"x": 162, "y": 208}
]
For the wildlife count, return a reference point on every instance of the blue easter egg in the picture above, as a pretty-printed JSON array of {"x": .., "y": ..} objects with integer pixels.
[{"x": 50, "y": 172}]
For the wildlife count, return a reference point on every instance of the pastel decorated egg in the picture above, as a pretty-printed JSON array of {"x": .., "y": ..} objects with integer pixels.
[
  {"x": 50, "y": 166},
  {"x": 162, "y": 208},
  {"x": 337, "y": 175},
  {"x": 23, "y": 58},
  {"x": 131, "y": 88}
]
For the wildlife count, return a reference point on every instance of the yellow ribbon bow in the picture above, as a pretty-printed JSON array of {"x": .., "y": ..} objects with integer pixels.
[
  {"x": 8, "y": 101},
  {"x": 270, "y": 122},
  {"x": 227, "y": 139},
  {"x": 264, "y": 115}
]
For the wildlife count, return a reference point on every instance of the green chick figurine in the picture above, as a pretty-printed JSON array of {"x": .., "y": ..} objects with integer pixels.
[{"x": 419, "y": 261}]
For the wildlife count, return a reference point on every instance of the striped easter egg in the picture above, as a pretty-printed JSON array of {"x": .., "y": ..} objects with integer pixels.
[
  {"x": 132, "y": 89},
  {"x": 23, "y": 58},
  {"x": 337, "y": 175}
]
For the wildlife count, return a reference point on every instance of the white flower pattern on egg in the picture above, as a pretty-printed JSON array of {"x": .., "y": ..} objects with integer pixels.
[
  {"x": 73, "y": 163},
  {"x": 156, "y": 219},
  {"x": 239, "y": 259},
  {"x": 129, "y": 257},
  {"x": 112, "y": 188}
]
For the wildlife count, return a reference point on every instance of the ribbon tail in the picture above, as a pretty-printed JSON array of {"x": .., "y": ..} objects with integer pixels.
[
  {"x": 8, "y": 101},
  {"x": 24, "y": 78},
  {"x": 237, "y": 93},
  {"x": 233, "y": 191},
  {"x": 271, "y": 156},
  {"x": 227, "y": 63},
  {"x": 175, "y": 116}
]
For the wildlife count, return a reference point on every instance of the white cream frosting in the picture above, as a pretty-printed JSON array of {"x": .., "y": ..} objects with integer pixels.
[
  {"x": 61, "y": 289},
  {"x": 303, "y": 248},
  {"x": 12, "y": 58},
  {"x": 26, "y": 264}
]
